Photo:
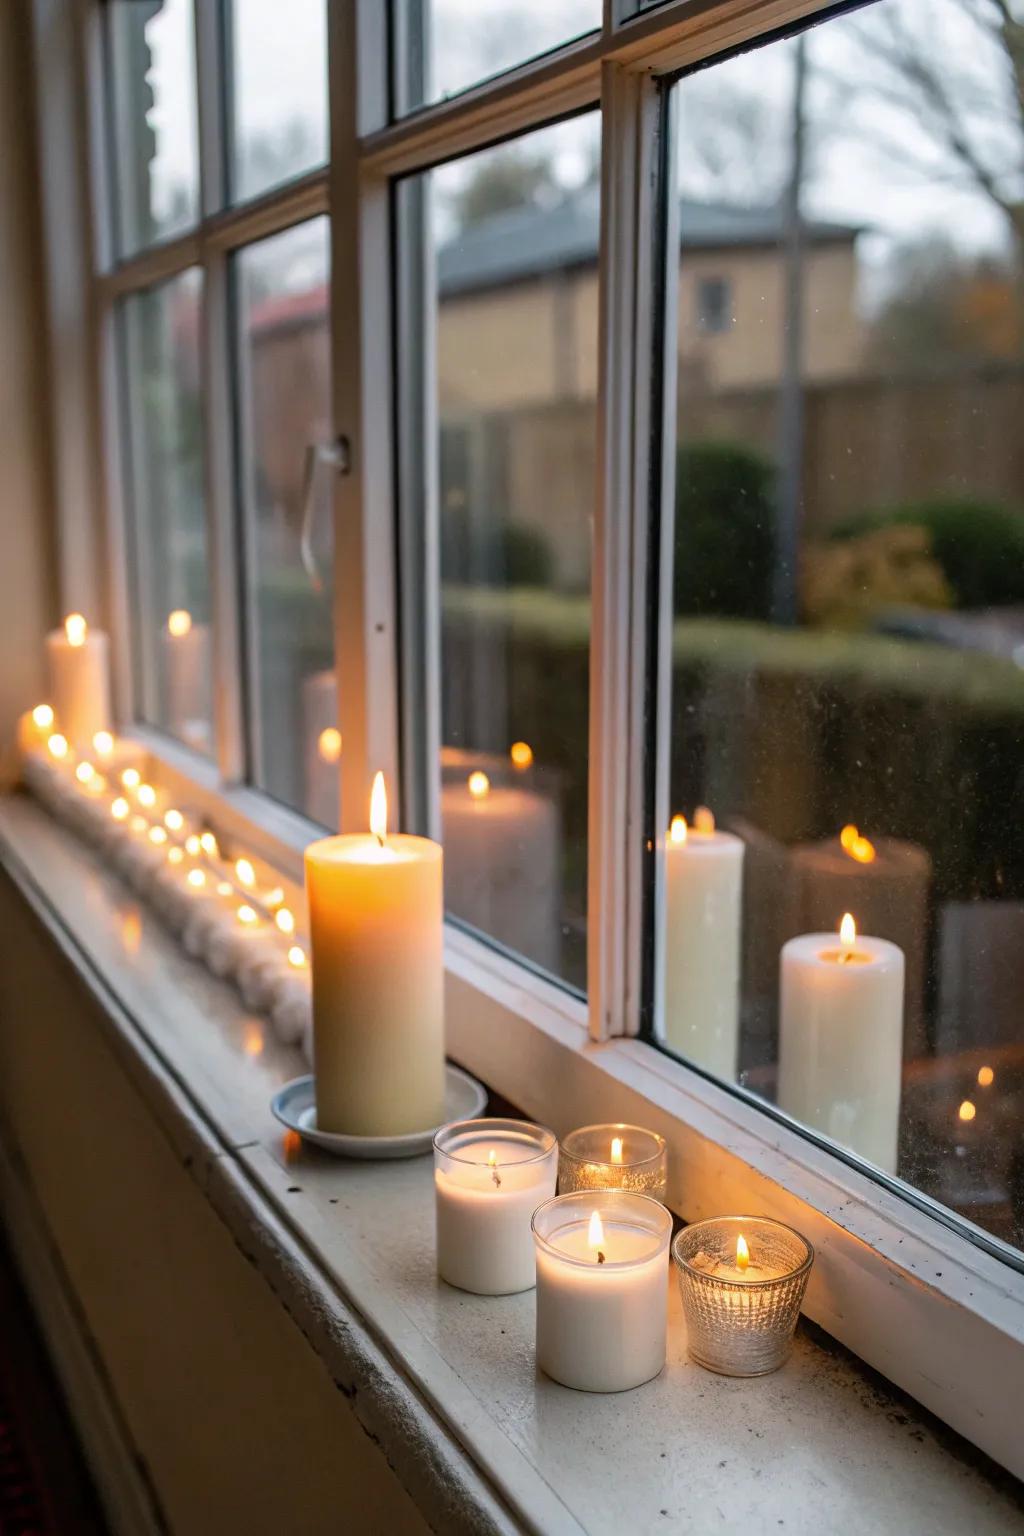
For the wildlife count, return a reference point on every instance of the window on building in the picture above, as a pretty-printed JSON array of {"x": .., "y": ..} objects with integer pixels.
[
  {"x": 848, "y": 599},
  {"x": 714, "y": 305}
]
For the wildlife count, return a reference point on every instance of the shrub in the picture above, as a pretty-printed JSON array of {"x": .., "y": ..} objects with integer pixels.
[
  {"x": 978, "y": 544},
  {"x": 725, "y": 531},
  {"x": 844, "y": 585}
]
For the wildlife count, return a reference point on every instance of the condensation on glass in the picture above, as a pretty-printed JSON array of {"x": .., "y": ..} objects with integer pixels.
[
  {"x": 282, "y": 286},
  {"x": 443, "y": 47},
  {"x": 151, "y": 47},
  {"x": 170, "y": 557},
  {"x": 278, "y": 92},
  {"x": 848, "y": 628},
  {"x": 514, "y": 269}
]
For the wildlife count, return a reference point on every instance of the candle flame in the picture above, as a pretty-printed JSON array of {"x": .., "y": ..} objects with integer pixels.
[
  {"x": 42, "y": 717},
  {"x": 704, "y": 820},
  {"x": 75, "y": 628},
  {"x": 678, "y": 830},
  {"x": 174, "y": 820},
  {"x": 84, "y": 772},
  {"x": 146, "y": 796},
  {"x": 58, "y": 745},
  {"x": 175, "y": 855},
  {"x": 247, "y": 914},
  {"x": 616, "y": 1149},
  {"x": 595, "y": 1235},
  {"x": 297, "y": 956},
  {"x": 179, "y": 622},
  {"x": 245, "y": 873},
  {"x": 120, "y": 808},
  {"x": 328, "y": 744},
  {"x": 157, "y": 835},
  {"x": 379, "y": 809},
  {"x": 986, "y": 1077},
  {"x": 742, "y": 1254},
  {"x": 285, "y": 920},
  {"x": 252, "y": 1040},
  {"x": 856, "y": 847},
  {"x": 208, "y": 843},
  {"x": 478, "y": 785},
  {"x": 492, "y": 1164},
  {"x": 103, "y": 743},
  {"x": 847, "y": 931},
  {"x": 131, "y": 778},
  {"x": 196, "y": 878},
  {"x": 967, "y": 1110},
  {"x": 521, "y": 754}
]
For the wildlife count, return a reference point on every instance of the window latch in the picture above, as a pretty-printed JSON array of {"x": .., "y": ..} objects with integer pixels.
[{"x": 335, "y": 456}]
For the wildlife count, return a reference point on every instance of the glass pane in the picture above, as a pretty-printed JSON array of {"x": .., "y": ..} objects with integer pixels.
[
  {"x": 848, "y": 693},
  {"x": 154, "y": 135},
  {"x": 279, "y": 83},
  {"x": 165, "y": 495},
  {"x": 285, "y": 379},
  {"x": 448, "y": 45}
]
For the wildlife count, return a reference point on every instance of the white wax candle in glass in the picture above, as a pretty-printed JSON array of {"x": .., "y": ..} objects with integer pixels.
[
  {"x": 703, "y": 917},
  {"x": 742, "y": 1280},
  {"x": 841, "y": 1038},
  {"x": 602, "y": 1289},
  {"x": 489, "y": 1178},
  {"x": 613, "y": 1157}
]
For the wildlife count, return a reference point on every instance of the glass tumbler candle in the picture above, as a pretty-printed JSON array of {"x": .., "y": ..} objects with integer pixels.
[
  {"x": 489, "y": 1178},
  {"x": 743, "y": 1280},
  {"x": 613, "y": 1157},
  {"x": 602, "y": 1289}
]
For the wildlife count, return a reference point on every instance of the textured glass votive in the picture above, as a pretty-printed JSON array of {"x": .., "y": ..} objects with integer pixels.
[
  {"x": 743, "y": 1279},
  {"x": 613, "y": 1157}
]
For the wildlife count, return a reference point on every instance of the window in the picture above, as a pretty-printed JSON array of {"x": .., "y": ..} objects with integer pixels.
[
  {"x": 635, "y": 439},
  {"x": 849, "y": 583}
]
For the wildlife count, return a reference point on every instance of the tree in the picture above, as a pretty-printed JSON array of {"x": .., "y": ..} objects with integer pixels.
[{"x": 506, "y": 179}]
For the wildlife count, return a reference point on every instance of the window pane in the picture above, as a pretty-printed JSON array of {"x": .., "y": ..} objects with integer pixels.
[
  {"x": 515, "y": 265},
  {"x": 152, "y": 48},
  {"x": 285, "y": 408},
  {"x": 165, "y": 495},
  {"x": 280, "y": 91},
  {"x": 446, "y": 46},
  {"x": 848, "y": 698}
]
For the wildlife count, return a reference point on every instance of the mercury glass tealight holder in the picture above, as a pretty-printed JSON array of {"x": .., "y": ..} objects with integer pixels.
[
  {"x": 743, "y": 1280},
  {"x": 613, "y": 1157}
]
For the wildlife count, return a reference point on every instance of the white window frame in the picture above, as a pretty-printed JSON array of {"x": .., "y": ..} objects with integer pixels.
[{"x": 905, "y": 1289}]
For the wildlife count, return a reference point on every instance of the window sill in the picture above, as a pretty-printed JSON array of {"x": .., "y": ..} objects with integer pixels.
[{"x": 449, "y": 1379}]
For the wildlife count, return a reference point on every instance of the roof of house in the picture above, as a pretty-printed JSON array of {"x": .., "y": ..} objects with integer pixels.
[{"x": 526, "y": 242}]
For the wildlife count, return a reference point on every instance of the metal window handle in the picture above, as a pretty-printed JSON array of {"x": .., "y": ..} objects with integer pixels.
[{"x": 335, "y": 456}]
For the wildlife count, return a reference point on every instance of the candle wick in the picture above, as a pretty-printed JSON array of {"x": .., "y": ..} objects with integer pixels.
[
  {"x": 600, "y": 1256},
  {"x": 496, "y": 1176},
  {"x": 380, "y": 838}
]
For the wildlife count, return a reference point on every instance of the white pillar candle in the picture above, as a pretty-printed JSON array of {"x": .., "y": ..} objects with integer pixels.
[
  {"x": 489, "y": 1177},
  {"x": 376, "y": 918},
  {"x": 501, "y": 850},
  {"x": 79, "y": 661},
  {"x": 321, "y": 748},
  {"x": 602, "y": 1289},
  {"x": 188, "y": 678},
  {"x": 703, "y": 912},
  {"x": 886, "y": 883},
  {"x": 841, "y": 1038}
]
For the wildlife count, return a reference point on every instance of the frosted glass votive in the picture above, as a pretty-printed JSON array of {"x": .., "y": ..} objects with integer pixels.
[
  {"x": 743, "y": 1280},
  {"x": 613, "y": 1157}
]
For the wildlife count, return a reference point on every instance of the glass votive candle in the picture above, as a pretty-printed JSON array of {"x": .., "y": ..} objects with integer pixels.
[
  {"x": 613, "y": 1157},
  {"x": 743, "y": 1280},
  {"x": 489, "y": 1178},
  {"x": 602, "y": 1288}
]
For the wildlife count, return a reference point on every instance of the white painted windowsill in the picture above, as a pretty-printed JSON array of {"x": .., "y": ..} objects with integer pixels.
[{"x": 447, "y": 1382}]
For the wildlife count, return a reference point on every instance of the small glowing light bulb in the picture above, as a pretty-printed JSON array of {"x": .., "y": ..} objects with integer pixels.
[
  {"x": 208, "y": 843},
  {"x": 58, "y": 745},
  {"x": 157, "y": 835},
  {"x": 247, "y": 914},
  {"x": 967, "y": 1110},
  {"x": 285, "y": 920},
  {"x": 179, "y": 622},
  {"x": 131, "y": 778},
  {"x": 175, "y": 855},
  {"x": 478, "y": 785},
  {"x": 120, "y": 808},
  {"x": 174, "y": 820},
  {"x": 42, "y": 717},
  {"x": 521, "y": 754},
  {"x": 103, "y": 743},
  {"x": 196, "y": 879},
  {"x": 192, "y": 844},
  {"x": 986, "y": 1077},
  {"x": 245, "y": 873},
  {"x": 75, "y": 628},
  {"x": 146, "y": 795},
  {"x": 297, "y": 956},
  {"x": 84, "y": 772},
  {"x": 225, "y": 888}
]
